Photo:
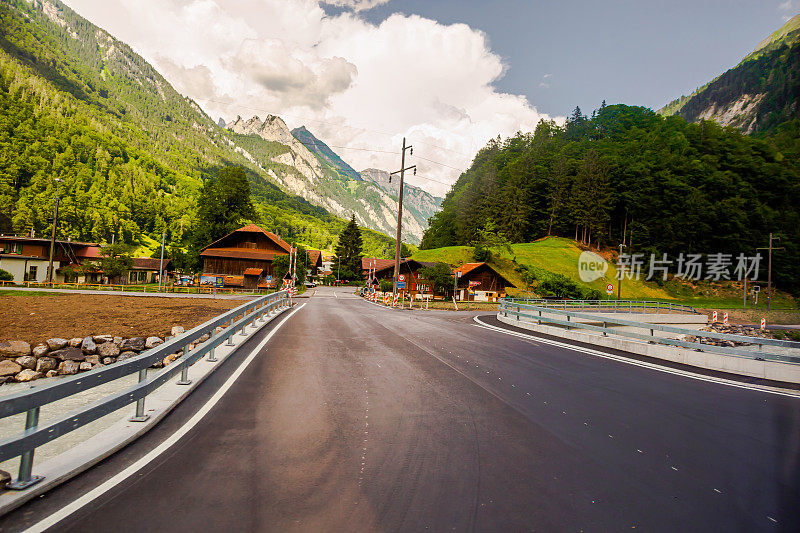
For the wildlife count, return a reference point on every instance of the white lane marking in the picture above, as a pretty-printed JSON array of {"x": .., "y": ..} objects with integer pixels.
[
  {"x": 718, "y": 491},
  {"x": 675, "y": 469},
  {"x": 772, "y": 519},
  {"x": 68, "y": 509},
  {"x": 335, "y": 295},
  {"x": 643, "y": 364}
]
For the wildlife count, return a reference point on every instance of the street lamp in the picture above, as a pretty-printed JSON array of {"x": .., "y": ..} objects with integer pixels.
[{"x": 53, "y": 235}]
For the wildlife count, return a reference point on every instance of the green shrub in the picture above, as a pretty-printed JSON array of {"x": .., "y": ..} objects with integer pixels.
[{"x": 6, "y": 275}]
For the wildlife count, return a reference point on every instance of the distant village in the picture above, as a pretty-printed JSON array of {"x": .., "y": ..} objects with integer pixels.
[{"x": 243, "y": 259}]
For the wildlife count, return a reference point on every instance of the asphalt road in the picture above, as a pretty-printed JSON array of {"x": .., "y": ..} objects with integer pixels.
[{"x": 359, "y": 418}]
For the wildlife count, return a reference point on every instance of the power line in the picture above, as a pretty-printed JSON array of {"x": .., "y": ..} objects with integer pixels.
[{"x": 438, "y": 163}]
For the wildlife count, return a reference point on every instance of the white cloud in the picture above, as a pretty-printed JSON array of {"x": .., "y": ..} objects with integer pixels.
[{"x": 352, "y": 83}]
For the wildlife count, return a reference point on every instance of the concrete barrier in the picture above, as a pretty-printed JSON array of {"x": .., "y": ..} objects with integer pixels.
[{"x": 772, "y": 370}]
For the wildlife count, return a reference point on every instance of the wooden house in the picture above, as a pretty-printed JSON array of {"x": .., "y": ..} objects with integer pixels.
[
  {"x": 314, "y": 263},
  {"x": 480, "y": 282},
  {"x": 243, "y": 258},
  {"x": 28, "y": 258},
  {"x": 416, "y": 286}
]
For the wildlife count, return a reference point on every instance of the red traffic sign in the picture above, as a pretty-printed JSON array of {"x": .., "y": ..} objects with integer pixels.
[
  {"x": 609, "y": 289},
  {"x": 401, "y": 277}
]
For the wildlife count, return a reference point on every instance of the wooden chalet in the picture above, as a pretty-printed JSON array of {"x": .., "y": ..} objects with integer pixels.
[
  {"x": 28, "y": 258},
  {"x": 145, "y": 270},
  {"x": 480, "y": 282},
  {"x": 368, "y": 263},
  {"x": 416, "y": 284},
  {"x": 243, "y": 258},
  {"x": 314, "y": 263}
]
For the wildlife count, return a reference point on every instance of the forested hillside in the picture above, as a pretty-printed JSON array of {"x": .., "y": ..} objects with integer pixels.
[
  {"x": 662, "y": 184},
  {"x": 77, "y": 105},
  {"x": 758, "y": 94}
]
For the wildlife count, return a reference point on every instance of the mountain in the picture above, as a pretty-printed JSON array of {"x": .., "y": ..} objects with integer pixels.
[
  {"x": 78, "y": 105},
  {"x": 325, "y": 154},
  {"x": 758, "y": 94},
  {"x": 420, "y": 202},
  {"x": 310, "y": 169}
]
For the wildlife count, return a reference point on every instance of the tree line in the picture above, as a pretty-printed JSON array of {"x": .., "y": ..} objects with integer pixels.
[{"x": 628, "y": 175}]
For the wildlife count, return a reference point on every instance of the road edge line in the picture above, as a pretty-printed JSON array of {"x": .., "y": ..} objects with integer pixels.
[
  {"x": 642, "y": 364},
  {"x": 54, "y": 518}
]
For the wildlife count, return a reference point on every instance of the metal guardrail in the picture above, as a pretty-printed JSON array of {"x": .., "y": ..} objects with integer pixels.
[
  {"x": 30, "y": 401},
  {"x": 537, "y": 314},
  {"x": 611, "y": 306}
]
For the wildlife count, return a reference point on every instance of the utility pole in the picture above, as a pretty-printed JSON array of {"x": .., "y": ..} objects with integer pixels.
[
  {"x": 769, "y": 269},
  {"x": 161, "y": 266},
  {"x": 400, "y": 210},
  {"x": 621, "y": 272},
  {"x": 53, "y": 235}
]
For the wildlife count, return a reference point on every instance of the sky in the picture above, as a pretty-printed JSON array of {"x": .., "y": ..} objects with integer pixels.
[{"x": 448, "y": 75}]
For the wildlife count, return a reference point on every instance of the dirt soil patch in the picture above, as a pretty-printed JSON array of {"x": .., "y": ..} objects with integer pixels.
[
  {"x": 34, "y": 317},
  {"x": 754, "y": 316}
]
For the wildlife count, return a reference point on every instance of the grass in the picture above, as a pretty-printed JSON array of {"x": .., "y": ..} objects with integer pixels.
[
  {"x": 554, "y": 254},
  {"x": 560, "y": 255}
]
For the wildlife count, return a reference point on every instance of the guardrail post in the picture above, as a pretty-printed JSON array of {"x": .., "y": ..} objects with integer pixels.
[
  {"x": 605, "y": 326},
  {"x": 25, "y": 479},
  {"x": 140, "y": 416},
  {"x": 518, "y": 311},
  {"x": 212, "y": 358},
  {"x": 185, "y": 370},
  {"x": 230, "y": 334}
]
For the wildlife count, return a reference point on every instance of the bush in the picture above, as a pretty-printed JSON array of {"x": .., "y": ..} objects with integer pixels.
[
  {"x": 386, "y": 285},
  {"x": 481, "y": 253},
  {"x": 5, "y": 275}
]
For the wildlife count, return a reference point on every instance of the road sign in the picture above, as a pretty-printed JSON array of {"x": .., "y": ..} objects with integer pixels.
[
  {"x": 725, "y": 318},
  {"x": 401, "y": 277},
  {"x": 609, "y": 289},
  {"x": 714, "y": 317},
  {"x": 763, "y": 323},
  {"x": 401, "y": 284}
]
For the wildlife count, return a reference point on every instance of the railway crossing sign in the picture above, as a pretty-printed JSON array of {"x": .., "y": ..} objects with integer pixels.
[{"x": 609, "y": 289}]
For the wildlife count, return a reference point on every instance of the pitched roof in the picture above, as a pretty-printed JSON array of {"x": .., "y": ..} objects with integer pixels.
[
  {"x": 406, "y": 265},
  {"x": 149, "y": 263},
  {"x": 468, "y": 268},
  {"x": 239, "y": 253},
  {"x": 252, "y": 228},
  {"x": 380, "y": 264},
  {"x": 314, "y": 257}
]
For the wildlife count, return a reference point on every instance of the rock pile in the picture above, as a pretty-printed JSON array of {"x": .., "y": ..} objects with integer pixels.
[
  {"x": 730, "y": 329},
  {"x": 21, "y": 362}
]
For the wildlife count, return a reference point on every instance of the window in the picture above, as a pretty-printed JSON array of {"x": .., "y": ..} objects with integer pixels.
[
  {"x": 16, "y": 248},
  {"x": 132, "y": 277},
  {"x": 32, "y": 271},
  {"x": 142, "y": 276}
]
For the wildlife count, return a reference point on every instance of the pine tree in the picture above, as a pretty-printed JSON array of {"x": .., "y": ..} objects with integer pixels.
[{"x": 349, "y": 251}]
